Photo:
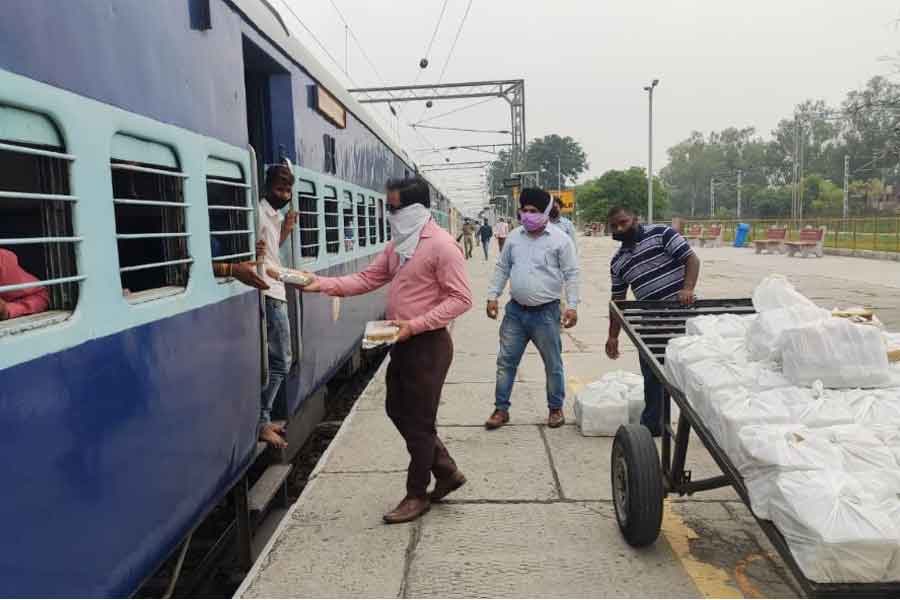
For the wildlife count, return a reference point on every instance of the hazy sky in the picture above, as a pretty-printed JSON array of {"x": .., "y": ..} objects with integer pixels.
[{"x": 720, "y": 63}]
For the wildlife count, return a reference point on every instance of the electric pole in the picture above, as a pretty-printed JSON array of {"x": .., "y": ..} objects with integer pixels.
[
  {"x": 739, "y": 174},
  {"x": 712, "y": 196},
  {"x": 649, "y": 90},
  {"x": 846, "y": 185}
]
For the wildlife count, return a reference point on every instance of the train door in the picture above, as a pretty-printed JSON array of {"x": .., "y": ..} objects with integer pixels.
[{"x": 270, "y": 135}]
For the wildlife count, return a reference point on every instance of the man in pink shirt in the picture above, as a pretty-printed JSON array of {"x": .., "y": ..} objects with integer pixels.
[
  {"x": 429, "y": 289},
  {"x": 22, "y": 301}
]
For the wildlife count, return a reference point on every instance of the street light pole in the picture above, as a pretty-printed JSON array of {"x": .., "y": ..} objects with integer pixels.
[
  {"x": 739, "y": 174},
  {"x": 649, "y": 90}
]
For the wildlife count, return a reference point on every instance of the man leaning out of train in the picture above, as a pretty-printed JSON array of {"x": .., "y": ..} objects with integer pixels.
[
  {"x": 430, "y": 289},
  {"x": 274, "y": 229}
]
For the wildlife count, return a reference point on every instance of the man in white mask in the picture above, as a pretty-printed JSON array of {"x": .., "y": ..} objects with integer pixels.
[{"x": 429, "y": 289}]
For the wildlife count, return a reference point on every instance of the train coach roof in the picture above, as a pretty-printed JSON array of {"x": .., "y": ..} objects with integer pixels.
[{"x": 268, "y": 19}]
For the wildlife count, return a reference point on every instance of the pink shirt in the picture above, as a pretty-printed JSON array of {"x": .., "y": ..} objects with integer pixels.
[
  {"x": 501, "y": 229},
  {"x": 430, "y": 290},
  {"x": 22, "y": 302}
]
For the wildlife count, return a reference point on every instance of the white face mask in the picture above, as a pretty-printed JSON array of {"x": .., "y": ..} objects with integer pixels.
[{"x": 406, "y": 226}]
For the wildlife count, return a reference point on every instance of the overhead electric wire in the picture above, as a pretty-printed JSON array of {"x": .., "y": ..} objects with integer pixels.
[
  {"x": 460, "y": 129},
  {"x": 317, "y": 41},
  {"x": 455, "y": 40},
  {"x": 456, "y": 110},
  {"x": 433, "y": 36}
]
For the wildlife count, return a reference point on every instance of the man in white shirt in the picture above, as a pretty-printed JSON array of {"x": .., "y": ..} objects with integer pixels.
[
  {"x": 274, "y": 230},
  {"x": 501, "y": 232}
]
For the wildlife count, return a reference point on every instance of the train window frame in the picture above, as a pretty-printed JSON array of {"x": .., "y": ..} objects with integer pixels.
[
  {"x": 330, "y": 145},
  {"x": 372, "y": 221},
  {"x": 225, "y": 174},
  {"x": 33, "y": 140},
  {"x": 154, "y": 164},
  {"x": 308, "y": 211},
  {"x": 347, "y": 205},
  {"x": 381, "y": 221},
  {"x": 362, "y": 235},
  {"x": 332, "y": 219}
]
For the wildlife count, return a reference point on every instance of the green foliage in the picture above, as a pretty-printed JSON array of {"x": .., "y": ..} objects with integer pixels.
[
  {"x": 541, "y": 155},
  {"x": 620, "y": 188},
  {"x": 866, "y": 127}
]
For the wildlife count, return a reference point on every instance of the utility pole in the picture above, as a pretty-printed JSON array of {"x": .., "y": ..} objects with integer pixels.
[
  {"x": 559, "y": 172},
  {"x": 846, "y": 185},
  {"x": 712, "y": 196},
  {"x": 796, "y": 170},
  {"x": 739, "y": 174},
  {"x": 649, "y": 90}
]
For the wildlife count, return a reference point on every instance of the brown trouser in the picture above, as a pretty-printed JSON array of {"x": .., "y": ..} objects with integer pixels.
[
  {"x": 415, "y": 377},
  {"x": 500, "y": 242}
]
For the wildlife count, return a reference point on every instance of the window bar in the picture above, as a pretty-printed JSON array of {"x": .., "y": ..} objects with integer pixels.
[
  {"x": 37, "y": 240},
  {"x": 232, "y": 232},
  {"x": 230, "y": 256},
  {"x": 230, "y": 207},
  {"x": 148, "y": 236},
  {"x": 43, "y": 283},
  {"x": 149, "y": 202},
  {"x": 236, "y": 184},
  {"x": 165, "y": 263},
  {"x": 139, "y": 169},
  {"x": 36, "y": 152},
  {"x": 31, "y": 196}
]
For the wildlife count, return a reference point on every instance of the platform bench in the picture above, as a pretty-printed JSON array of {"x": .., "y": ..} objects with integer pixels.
[{"x": 775, "y": 237}]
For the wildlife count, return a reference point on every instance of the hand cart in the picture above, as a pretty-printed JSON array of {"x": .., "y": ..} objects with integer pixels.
[{"x": 641, "y": 478}]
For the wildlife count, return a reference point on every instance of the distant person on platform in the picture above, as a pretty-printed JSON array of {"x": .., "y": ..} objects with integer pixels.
[
  {"x": 429, "y": 289},
  {"x": 468, "y": 235},
  {"x": 537, "y": 260},
  {"x": 501, "y": 231},
  {"x": 657, "y": 263},
  {"x": 23, "y": 301},
  {"x": 561, "y": 221},
  {"x": 486, "y": 234},
  {"x": 275, "y": 229}
]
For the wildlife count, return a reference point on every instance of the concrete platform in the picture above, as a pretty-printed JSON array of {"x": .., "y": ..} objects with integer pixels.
[{"x": 536, "y": 519}]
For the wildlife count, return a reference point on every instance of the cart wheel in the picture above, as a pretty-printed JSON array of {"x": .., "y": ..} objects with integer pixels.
[{"x": 637, "y": 485}]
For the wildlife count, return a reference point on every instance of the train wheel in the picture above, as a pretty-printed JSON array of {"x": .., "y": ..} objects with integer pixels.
[{"x": 637, "y": 485}]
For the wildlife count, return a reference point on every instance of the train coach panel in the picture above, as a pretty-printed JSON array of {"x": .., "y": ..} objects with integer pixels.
[{"x": 115, "y": 446}]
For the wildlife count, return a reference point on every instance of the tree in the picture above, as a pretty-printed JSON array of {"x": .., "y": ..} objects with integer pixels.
[
  {"x": 619, "y": 188},
  {"x": 546, "y": 153}
]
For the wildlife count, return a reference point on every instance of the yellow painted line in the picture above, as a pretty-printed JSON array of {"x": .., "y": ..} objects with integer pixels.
[{"x": 711, "y": 581}]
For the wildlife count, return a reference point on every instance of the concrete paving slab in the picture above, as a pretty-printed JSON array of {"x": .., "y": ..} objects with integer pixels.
[
  {"x": 334, "y": 545},
  {"x": 470, "y": 404},
  {"x": 510, "y": 463},
  {"x": 370, "y": 443},
  {"x": 558, "y": 550}
]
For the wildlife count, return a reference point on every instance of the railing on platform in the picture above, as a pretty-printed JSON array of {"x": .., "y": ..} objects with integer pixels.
[{"x": 858, "y": 233}]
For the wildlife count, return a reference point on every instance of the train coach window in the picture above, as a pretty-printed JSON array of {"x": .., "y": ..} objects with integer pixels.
[
  {"x": 228, "y": 204},
  {"x": 151, "y": 232},
  {"x": 332, "y": 221},
  {"x": 349, "y": 226},
  {"x": 36, "y": 226},
  {"x": 308, "y": 218},
  {"x": 381, "y": 220},
  {"x": 330, "y": 154},
  {"x": 373, "y": 222},
  {"x": 361, "y": 219}
]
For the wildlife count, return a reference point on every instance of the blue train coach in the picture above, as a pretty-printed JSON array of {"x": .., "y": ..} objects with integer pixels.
[{"x": 132, "y": 133}]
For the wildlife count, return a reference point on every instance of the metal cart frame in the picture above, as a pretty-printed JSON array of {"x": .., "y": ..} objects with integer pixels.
[{"x": 639, "y": 489}]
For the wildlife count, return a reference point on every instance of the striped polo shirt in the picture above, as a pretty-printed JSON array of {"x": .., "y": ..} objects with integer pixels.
[{"x": 653, "y": 267}]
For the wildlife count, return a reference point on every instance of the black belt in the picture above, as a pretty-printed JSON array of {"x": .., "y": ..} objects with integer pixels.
[{"x": 536, "y": 308}]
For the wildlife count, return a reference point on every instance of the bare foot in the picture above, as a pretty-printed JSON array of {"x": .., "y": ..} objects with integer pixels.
[{"x": 271, "y": 434}]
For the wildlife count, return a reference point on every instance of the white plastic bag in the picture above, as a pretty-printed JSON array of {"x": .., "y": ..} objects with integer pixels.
[
  {"x": 774, "y": 292},
  {"x": 766, "y": 451},
  {"x": 764, "y": 334},
  {"x": 600, "y": 410},
  {"x": 835, "y": 530},
  {"x": 815, "y": 407},
  {"x": 705, "y": 377},
  {"x": 685, "y": 351},
  {"x": 836, "y": 352},
  {"x": 725, "y": 326},
  {"x": 753, "y": 409},
  {"x": 635, "y": 403}
]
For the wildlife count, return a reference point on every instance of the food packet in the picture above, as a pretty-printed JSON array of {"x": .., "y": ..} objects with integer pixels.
[
  {"x": 379, "y": 333},
  {"x": 289, "y": 276}
]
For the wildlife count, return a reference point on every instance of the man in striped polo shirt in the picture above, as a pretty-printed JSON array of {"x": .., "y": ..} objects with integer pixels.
[{"x": 657, "y": 263}]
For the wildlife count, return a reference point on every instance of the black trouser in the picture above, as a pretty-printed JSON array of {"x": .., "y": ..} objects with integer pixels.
[{"x": 415, "y": 377}]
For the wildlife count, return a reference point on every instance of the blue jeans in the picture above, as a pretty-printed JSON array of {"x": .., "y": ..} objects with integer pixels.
[
  {"x": 278, "y": 330},
  {"x": 541, "y": 327},
  {"x": 651, "y": 417},
  {"x": 486, "y": 244}
]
